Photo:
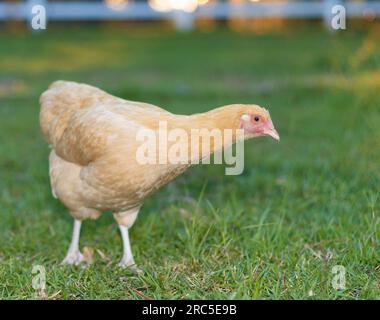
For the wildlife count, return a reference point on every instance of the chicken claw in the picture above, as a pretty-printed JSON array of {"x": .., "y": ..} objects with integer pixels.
[
  {"x": 73, "y": 258},
  {"x": 132, "y": 267}
]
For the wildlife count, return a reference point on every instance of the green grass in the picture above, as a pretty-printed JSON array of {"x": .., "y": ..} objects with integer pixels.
[{"x": 301, "y": 206}]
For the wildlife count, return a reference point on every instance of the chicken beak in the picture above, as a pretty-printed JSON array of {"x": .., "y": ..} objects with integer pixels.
[
  {"x": 271, "y": 131},
  {"x": 274, "y": 134}
]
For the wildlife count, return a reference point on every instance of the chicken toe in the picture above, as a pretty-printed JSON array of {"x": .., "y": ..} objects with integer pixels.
[
  {"x": 132, "y": 267},
  {"x": 73, "y": 258}
]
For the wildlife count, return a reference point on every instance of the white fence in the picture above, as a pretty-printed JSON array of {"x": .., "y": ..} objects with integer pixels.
[{"x": 96, "y": 11}]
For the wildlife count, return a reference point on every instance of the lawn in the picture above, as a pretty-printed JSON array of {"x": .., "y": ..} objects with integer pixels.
[{"x": 301, "y": 207}]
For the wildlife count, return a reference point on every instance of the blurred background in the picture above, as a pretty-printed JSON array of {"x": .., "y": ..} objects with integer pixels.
[
  {"x": 188, "y": 14},
  {"x": 300, "y": 207}
]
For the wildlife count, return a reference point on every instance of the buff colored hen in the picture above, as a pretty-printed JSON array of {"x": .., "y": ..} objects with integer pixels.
[{"x": 93, "y": 163}]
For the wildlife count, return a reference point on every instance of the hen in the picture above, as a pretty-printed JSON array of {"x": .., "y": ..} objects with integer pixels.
[{"x": 93, "y": 165}]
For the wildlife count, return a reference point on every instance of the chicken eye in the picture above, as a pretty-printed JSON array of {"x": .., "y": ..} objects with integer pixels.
[{"x": 256, "y": 118}]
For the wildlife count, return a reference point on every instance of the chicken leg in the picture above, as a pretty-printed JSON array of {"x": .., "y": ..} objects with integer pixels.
[
  {"x": 125, "y": 220},
  {"x": 127, "y": 259},
  {"x": 74, "y": 256}
]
